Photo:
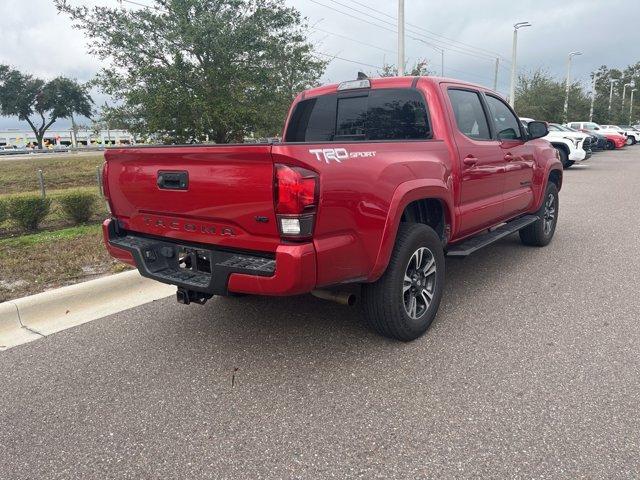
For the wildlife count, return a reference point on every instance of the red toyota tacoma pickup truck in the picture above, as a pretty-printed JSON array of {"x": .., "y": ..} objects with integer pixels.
[{"x": 376, "y": 180}]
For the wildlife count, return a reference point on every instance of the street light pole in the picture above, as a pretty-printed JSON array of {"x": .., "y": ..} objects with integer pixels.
[
  {"x": 512, "y": 90},
  {"x": 400, "y": 38},
  {"x": 568, "y": 87},
  {"x": 593, "y": 96},
  {"x": 613, "y": 82},
  {"x": 495, "y": 75},
  {"x": 631, "y": 106}
]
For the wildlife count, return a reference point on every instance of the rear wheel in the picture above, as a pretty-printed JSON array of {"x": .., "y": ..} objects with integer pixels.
[
  {"x": 610, "y": 145},
  {"x": 404, "y": 301},
  {"x": 540, "y": 233},
  {"x": 631, "y": 140}
]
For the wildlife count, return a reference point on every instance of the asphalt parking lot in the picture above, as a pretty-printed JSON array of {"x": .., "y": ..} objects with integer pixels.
[{"x": 531, "y": 370}]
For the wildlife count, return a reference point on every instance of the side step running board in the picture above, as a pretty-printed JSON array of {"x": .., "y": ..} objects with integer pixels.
[{"x": 469, "y": 246}]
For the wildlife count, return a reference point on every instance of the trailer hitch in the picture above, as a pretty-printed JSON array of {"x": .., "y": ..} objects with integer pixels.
[{"x": 186, "y": 297}]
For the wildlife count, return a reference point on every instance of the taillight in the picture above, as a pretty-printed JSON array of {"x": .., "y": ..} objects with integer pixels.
[
  {"x": 105, "y": 186},
  {"x": 296, "y": 200}
]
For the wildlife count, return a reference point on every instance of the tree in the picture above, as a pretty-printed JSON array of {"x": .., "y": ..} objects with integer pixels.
[
  {"x": 540, "y": 96},
  {"x": 618, "y": 114},
  {"x": 189, "y": 70},
  {"x": 25, "y": 97},
  {"x": 601, "y": 112},
  {"x": 420, "y": 68}
]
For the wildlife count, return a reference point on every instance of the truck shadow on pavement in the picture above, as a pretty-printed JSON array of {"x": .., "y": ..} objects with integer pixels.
[{"x": 304, "y": 320}]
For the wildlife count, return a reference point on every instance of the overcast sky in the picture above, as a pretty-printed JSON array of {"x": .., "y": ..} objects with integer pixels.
[{"x": 35, "y": 39}]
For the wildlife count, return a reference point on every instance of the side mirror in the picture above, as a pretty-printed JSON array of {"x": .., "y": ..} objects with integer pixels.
[
  {"x": 538, "y": 130},
  {"x": 596, "y": 128}
]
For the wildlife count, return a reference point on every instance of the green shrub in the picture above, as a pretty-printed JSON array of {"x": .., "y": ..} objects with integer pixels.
[
  {"x": 28, "y": 211},
  {"x": 3, "y": 211},
  {"x": 78, "y": 206}
]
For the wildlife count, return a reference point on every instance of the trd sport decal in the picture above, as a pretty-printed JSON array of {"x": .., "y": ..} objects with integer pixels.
[{"x": 338, "y": 154}]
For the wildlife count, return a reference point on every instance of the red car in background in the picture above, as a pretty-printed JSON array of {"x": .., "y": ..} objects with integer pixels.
[
  {"x": 618, "y": 140},
  {"x": 614, "y": 139}
]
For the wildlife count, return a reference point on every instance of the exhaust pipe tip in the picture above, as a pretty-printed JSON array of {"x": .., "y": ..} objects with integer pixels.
[
  {"x": 343, "y": 298},
  {"x": 352, "y": 298}
]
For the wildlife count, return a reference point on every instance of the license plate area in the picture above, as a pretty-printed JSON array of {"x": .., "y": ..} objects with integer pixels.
[
  {"x": 179, "y": 264},
  {"x": 194, "y": 260}
]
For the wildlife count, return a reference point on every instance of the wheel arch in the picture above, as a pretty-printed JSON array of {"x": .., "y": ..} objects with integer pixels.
[
  {"x": 428, "y": 202},
  {"x": 428, "y": 211},
  {"x": 555, "y": 176},
  {"x": 562, "y": 146}
]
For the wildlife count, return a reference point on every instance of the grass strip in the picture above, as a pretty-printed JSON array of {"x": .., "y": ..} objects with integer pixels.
[
  {"x": 56, "y": 235},
  {"x": 60, "y": 171},
  {"x": 34, "y": 263}
]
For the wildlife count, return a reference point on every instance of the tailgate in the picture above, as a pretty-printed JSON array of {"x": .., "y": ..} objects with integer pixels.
[{"x": 220, "y": 195}]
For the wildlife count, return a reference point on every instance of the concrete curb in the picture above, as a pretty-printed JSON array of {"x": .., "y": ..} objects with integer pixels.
[
  {"x": 12, "y": 332},
  {"x": 29, "y": 318}
]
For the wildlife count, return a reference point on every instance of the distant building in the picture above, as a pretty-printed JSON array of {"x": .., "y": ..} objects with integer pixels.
[{"x": 89, "y": 137}]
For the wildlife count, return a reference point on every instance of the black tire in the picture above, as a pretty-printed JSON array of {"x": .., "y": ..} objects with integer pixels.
[
  {"x": 610, "y": 145},
  {"x": 564, "y": 157},
  {"x": 540, "y": 233},
  {"x": 631, "y": 140},
  {"x": 569, "y": 164},
  {"x": 384, "y": 300}
]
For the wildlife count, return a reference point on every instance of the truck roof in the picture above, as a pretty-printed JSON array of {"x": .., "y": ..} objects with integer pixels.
[{"x": 390, "y": 82}]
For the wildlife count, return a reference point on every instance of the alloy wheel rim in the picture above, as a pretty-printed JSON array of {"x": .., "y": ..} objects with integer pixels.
[
  {"x": 419, "y": 283},
  {"x": 549, "y": 216}
]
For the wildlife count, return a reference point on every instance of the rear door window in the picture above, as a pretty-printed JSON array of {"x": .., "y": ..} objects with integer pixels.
[
  {"x": 377, "y": 115},
  {"x": 469, "y": 114}
]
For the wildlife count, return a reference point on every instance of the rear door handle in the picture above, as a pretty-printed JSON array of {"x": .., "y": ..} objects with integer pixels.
[{"x": 470, "y": 160}]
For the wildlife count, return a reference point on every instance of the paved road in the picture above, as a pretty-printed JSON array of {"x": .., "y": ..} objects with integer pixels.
[{"x": 531, "y": 370}]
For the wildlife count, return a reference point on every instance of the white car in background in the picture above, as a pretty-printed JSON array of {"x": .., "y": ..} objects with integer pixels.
[
  {"x": 633, "y": 136},
  {"x": 572, "y": 146}
]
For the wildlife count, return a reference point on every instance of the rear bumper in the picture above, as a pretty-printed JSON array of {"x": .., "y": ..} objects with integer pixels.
[
  {"x": 116, "y": 252},
  {"x": 290, "y": 271}
]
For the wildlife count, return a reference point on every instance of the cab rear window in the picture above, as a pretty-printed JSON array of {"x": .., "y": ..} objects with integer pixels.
[{"x": 376, "y": 115}]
